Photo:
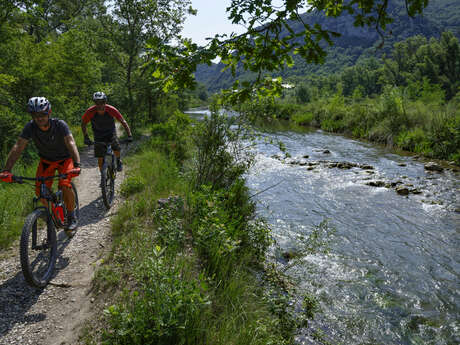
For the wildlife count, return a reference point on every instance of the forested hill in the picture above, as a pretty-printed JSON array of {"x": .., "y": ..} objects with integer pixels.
[{"x": 355, "y": 43}]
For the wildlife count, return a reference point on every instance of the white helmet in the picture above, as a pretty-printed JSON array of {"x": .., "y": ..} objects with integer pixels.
[
  {"x": 99, "y": 96},
  {"x": 39, "y": 105}
]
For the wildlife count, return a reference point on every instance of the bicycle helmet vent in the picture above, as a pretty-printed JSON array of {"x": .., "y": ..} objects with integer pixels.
[
  {"x": 39, "y": 105},
  {"x": 99, "y": 96}
]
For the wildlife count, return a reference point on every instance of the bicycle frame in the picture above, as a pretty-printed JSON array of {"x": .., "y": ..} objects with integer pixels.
[
  {"x": 108, "y": 170},
  {"x": 57, "y": 213},
  {"x": 108, "y": 152}
]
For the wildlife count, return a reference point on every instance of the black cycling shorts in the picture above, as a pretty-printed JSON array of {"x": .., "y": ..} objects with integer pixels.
[{"x": 100, "y": 149}]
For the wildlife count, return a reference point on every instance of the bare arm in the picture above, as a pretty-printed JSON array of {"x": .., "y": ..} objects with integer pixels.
[
  {"x": 15, "y": 153},
  {"x": 83, "y": 129},
  {"x": 126, "y": 127},
  {"x": 72, "y": 147}
]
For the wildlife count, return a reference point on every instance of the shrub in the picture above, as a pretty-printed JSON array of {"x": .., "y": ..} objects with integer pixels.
[
  {"x": 132, "y": 185},
  {"x": 414, "y": 140},
  {"x": 224, "y": 230},
  {"x": 10, "y": 128},
  {"x": 221, "y": 154},
  {"x": 381, "y": 132},
  {"x": 171, "y": 136},
  {"x": 302, "y": 118},
  {"x": 168, "y": 309},
  {"x": 392, "y": 109},
  {"x": 445, "y": 134}
]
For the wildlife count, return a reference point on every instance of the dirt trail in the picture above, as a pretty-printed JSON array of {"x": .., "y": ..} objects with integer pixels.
[{"x": 53, "y": 316}]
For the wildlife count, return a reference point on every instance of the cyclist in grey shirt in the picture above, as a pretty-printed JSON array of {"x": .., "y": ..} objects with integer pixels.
[{"x": 56, "y": 148}]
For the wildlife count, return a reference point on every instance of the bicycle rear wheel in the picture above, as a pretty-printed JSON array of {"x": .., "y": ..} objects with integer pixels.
[
  {"x": 38, "y": 248},
  {"x": 108, "y": 184}
]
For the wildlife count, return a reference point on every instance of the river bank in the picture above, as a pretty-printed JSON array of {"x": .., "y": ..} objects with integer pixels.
[
  {"x": 187, "y": 263},
  {"x": 428, "y": 129}
]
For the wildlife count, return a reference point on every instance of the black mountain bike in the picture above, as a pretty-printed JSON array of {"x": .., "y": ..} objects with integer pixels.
[
  {"x": 108, "y": 173},
  {"x": 38, "y": 246}
]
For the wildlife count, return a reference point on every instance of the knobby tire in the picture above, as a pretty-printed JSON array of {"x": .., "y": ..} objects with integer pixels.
[
  {"x": 38, "y": 264},
  {"x": 107, "y": 184},
  {"x": 77, "y": 205}
]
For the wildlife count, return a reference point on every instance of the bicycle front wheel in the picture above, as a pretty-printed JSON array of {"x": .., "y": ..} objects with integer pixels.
[
  {"x": 38, "y": 248},
  {"x": 108, "y": 184},
  {"x": 77, "y": 204}
]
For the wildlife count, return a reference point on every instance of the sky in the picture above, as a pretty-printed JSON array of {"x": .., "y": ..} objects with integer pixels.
[{"x": 210, "y": 20}]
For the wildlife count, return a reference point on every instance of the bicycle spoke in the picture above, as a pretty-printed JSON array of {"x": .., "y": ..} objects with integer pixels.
[
  {"x": 108, "y": 185},
  {"x": 38, "y": 249}
]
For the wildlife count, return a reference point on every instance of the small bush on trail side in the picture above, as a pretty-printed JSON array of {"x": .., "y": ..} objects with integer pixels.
[
  {"x": 132, "y": 185},
  {"x": 171, "y": 136},
  {"x": 221, "y": 155}
]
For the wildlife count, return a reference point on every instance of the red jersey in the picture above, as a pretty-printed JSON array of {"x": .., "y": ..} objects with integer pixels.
[{"x": 103, "y": 125}]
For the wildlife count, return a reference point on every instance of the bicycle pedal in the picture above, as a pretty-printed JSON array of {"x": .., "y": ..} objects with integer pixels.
[{"x": 70, "y": 233}]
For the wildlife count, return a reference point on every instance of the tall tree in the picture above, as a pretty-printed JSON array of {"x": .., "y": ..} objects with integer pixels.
[
  {"x": 44, "y": 17},
  {"x": 129, "y": 23}
]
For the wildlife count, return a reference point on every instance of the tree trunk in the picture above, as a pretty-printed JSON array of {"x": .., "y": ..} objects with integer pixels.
[{"x": 131, "y": 111}]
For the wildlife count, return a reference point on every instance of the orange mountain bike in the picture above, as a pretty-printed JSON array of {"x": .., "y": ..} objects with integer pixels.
[{"x": 38, "y": 246}]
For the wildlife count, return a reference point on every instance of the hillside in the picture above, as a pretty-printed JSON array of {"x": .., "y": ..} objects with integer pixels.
[{"x": 355, "y": 43}]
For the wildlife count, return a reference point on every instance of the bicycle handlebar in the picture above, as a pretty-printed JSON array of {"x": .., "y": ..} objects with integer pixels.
[
  {"x": 20, "y": 179},
  {"x": 124, "y": 141}
]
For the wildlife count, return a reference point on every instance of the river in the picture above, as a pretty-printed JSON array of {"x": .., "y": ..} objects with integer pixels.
[{"x": 391, "y": 274}]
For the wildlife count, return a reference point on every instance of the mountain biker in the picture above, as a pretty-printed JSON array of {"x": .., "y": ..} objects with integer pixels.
[
  {"x": 102, "y": 117},
  {"x": 57, "y": 150}
]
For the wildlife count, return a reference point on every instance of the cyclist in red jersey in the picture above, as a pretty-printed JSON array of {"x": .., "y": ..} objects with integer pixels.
[
  {"x": 56, "y": 148},
  {"x": 102, "y": 117}
]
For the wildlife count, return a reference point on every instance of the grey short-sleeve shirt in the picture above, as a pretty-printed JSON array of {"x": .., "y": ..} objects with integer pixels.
[{"x": 50, "y": 143}]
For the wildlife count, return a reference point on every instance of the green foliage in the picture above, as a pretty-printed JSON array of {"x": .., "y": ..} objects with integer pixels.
[
  {"x": 172, "y": 136},
  {"x": 107, "y": 278},
  {"x": 167, "y": 310},
  {"x": 302, "y": 117},
  {"x": 413, "y": 118},
  {"x": 132, "y": 185},
  {"x": 15, "y": 204},
  {"x": 169, "y": 220},
  {"x": 9, "y": 127},
  {"x": 127, "y": 29},
  {"x": 414, "y": 140},
  {"x": 275, "y": 35},
  {"x": 71, "y": 72},
  {"x": 223, "y": 230},
  {"x": 420, "y": 64},
  {"x": 185, "y": 268},
  {"x": 444, "y": 135},
  {"x": 221, "y": 156},
  {"x": 303, "y": 94}
]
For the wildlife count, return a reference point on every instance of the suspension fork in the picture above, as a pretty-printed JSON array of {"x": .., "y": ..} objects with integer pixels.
[{"x": 34, "y": 228}]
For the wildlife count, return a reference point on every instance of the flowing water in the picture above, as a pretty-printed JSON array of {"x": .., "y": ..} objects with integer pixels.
[{"x": 391, "y": 275}]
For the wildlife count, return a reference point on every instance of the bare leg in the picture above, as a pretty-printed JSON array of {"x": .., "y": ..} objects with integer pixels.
[{"x": 69, "y": 198}]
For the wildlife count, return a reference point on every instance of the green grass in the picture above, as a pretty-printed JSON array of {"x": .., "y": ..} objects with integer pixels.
[{"x": 15, "y": 204}]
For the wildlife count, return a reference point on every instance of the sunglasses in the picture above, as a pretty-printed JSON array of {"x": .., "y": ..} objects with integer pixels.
[
  {"x": 100, "y": 102},
  {"x": 39, "y": 115}
]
